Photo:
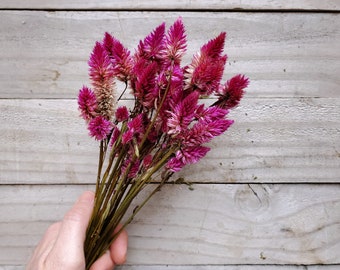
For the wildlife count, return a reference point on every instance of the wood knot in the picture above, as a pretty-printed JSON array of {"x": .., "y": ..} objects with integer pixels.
[{"x": 253, "y": 201}]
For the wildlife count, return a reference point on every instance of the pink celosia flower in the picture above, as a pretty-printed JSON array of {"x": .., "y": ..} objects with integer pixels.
[
  {"x": 120, "y": 56},
  {"x": 174, "y": 165},
  {"x": 127, "y": 136},
  {"x": 135, "y": 128},
  {"x": 101, "y": 69},
  {"x": 211, "y": 114},
  {"x": 185, "y": 156},
  {"x": 122, "y": 114},
  {"x": 134, "y": 168},
  {"x": 206, "y": 69},
  {"x": 87, "y": 103},
  {"x": 204, "y": 132},
  {"x": 232, "y": 91},
  {"x": 99, "y": 128},
  {"x": 152, "y": 48},
  {"x": 182, "y": 114},
  {"x": 114, "y": 136},
  {"x": 190, "y": 155},
  {"x": 175, "y": 45},
  {"x": 136, "y": 123},
  {"x": 147, "y": 161},
  {"x": 101, "y": 73},
  {"x": 144, "y": 83}
]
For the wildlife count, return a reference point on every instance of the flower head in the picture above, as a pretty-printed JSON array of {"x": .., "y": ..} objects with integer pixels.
[
  {"x": 122, "y": 114},
  {"x": 121, "y": 59},
  {"x": 232, "y": 91},
  {"x": 206, "y": 69},
  {"x": 99, "y": 128},
  {"x": 101, "y": 74},
  {"x": 175, "y": 42},
  {"x": 87, "y": 103}
]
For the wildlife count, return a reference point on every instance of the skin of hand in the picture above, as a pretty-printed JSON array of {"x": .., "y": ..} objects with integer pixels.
[{"x": 62, "y": 246}]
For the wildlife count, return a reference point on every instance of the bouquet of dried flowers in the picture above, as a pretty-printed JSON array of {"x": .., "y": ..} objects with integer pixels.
[{"x": 166, "y": 128}]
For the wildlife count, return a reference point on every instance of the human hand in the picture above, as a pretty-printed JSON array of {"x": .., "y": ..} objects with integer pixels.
[{"x": 62, "y": 246}]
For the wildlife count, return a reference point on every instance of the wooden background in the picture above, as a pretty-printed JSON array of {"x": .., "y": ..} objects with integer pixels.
[{"x": 268, "y": 194}]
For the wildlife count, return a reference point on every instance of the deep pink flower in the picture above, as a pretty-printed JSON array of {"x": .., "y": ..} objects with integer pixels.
[
  {"x": 101, "y": 74},
  {"x": 115, "y": 135},
  {"x": 214, "y": 47},
  {"x": 136, "y": 124},
  {"x": 207, "y": 75},
  {"x": 144, "y": 83},
  {"x": 232, "y": 91},
  {"x": 99, "y": 127},
  {"x": 211, "y": 113},
  {"x": 134, "y": 167},
  {"x": 147, "y": 161},
  {"x": 190, "y": 155},
  {"x": 182, "y": 114},
  {"x": 101, "y": 70},
  {"x": 203, "y": 132},
  {"x": 206, "y": 69},
  {"x": 152, "y": 48},
  {"x": 120, "y": 56},
  {"x": 135, "y": 127},
  {"x": 87, "y": 103},
  {"x": 122, "y": 114},
  {"x": 127, "y": 136},
  {"x": 174, "y": 164},
  {"x": 185, "y": 156},
  {"x": 175, "y": 44}
]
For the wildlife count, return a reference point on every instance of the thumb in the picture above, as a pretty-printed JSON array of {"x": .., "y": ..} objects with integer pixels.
[{"x": 69, "y": 246}]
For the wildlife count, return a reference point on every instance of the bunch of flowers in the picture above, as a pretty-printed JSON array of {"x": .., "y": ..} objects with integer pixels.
[{"x": 167, "y": 126}]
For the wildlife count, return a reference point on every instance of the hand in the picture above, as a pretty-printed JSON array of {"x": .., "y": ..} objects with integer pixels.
[{"x": 62, "y": 246}]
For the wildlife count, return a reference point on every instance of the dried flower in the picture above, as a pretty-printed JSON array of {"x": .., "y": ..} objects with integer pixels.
[
  {"x": 87, "y": 103},
  {"x": 99, "y": 127},
  {"x": 232, "y": 91},
  {"x": 167, "y": 127}
]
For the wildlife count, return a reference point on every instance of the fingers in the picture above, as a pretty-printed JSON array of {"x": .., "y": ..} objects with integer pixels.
[
  {"x": 70, "y": 241},
  {"x": 118, "y": 248},
  {"x": 44, "y": 247},
  {"x": 116, "y": 254}
]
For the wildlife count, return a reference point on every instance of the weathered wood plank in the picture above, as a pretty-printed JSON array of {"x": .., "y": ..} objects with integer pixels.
[
  {"x": 273, "y": 140},
  {"x": 44, "y": 54},
  {"x": 225, "y": 267},
  {"x": 326, "y": 5},
  {"x": 205, "y": 267},
  {"x": 213, "y": 224}
]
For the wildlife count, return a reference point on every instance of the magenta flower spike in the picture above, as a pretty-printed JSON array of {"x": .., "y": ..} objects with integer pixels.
[{"x": 87, "y": 103}]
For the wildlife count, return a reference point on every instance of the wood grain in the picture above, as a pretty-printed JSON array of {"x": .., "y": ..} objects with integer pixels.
[
  {"x": 326, "y": 5},
  {"x": 209, "y": 267},
  {"x": 44, "y": 54},
  {"x": 212, "y": 224},
  {"x": 281, "y": 140}
]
